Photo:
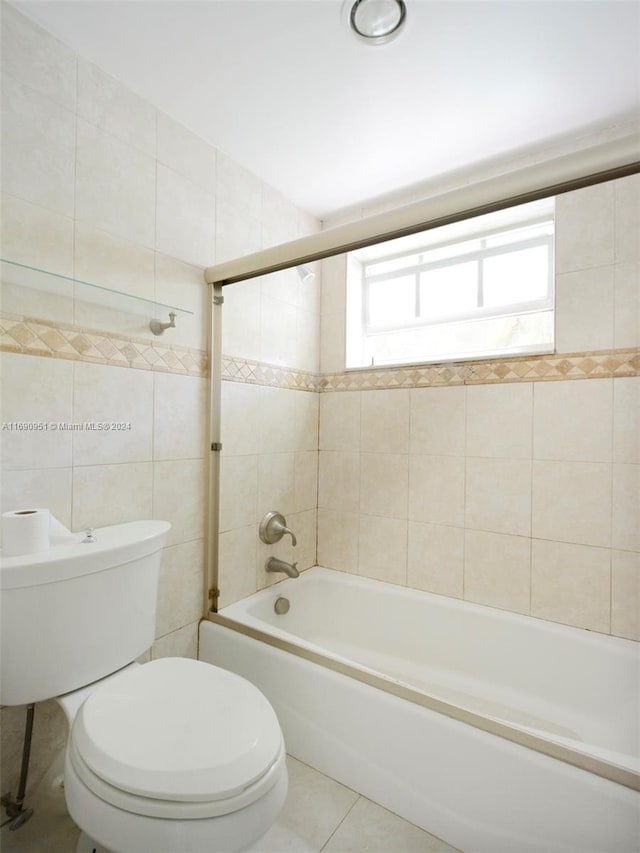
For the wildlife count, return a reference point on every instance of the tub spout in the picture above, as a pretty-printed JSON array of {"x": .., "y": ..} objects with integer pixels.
[{"x": 273, "y": 564}]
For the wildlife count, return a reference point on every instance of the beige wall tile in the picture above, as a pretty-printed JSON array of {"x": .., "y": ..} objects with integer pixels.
[
  {"x": 625, "y": 594},
  {"x": 497, "y": 570},
  {"x": 277, "y": 420},
  {"x": 237, "y": 234},
  {"x": 332, "y": 343},
  {"x": 181, "y": 587},
  {"x": 182, "y": 643},
  {"x": 185, "y": 219},
  {"x": 338, "y": 536},
  {"x": 498, "y": 495},
  {"x": 584, "y": 228},
  {"x": 385, "y": 421},
  {"x": 499, "y": 420},
  {"x": 111, "y": 494},
  {"x": 115, "y": 186},
  {"x": 36, "y": 390},
  {"x": 334, "y": 271},
  {"x": 112, "y": 395},
  {"x": 573, "y": 420},
  {"x": 627, "y": 218},
  {"x": 41, "y": 174},
  {"x": 570, "y": 584},
  {"x": 307, "y": 418},
  {"x": 100, "y": 258},
  {"x": 438, "y": 421},
  {"x": 238, "y": 491},
  {"x": 53, "y": 250},
  {"x": 241, "y": 323},
  {"x": 572, "y": 502},
  {"x": 339, "y": 481},
  {"x": 115, "y": 109},
  {"x": 276, "y": 483},
  {"x": 626, "y": 420},
  {"x": 278, "y": 340},
  {"x": 384, "y": 484},
  {"x": 627, "y": 305},
  {"x": 307, "y": 341},
  {"x": 436, "y": 489},
  {"x": 435, "y": 558},
  {"x": 237, "y": 564},
  {"x": 585, "y": 310},
  {"x": 238, "y": 186},
  {"x": 184, "y": 152},
  {"x": 37, "y": 58},
  {"x": 180, "y": 497},
  {"x": 39, "y": 487},
  {"x": 282, "y": 285},
  {"x": 340, "y": 421},
  {"x": 626, "y": 507},
  {"x": 179, "y": 417},
  {"x": 382, "y": 550},
  {"x": 305, "y": 480},
  {"x": 279, "y": 218},
  {"x": 305, "y": 526},
  {"x": 240, "y": 419}
]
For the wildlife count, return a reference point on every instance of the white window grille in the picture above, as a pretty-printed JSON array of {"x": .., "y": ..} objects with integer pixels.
[{"x": 479, "y": 288}]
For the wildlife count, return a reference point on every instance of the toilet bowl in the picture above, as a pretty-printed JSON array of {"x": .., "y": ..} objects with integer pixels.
[
  {"x": 173, "y": 756},
  {"x": 170, "y": 756}
]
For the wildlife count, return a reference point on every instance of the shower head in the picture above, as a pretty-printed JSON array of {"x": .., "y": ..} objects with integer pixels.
[{"x": 305, "y": 273}]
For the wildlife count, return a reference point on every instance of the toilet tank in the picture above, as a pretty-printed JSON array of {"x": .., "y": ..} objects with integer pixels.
[{"x": 78, "y": 611}]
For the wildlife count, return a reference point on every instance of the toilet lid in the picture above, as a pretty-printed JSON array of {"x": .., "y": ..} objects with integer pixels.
[{"x": 178, "y": 729}]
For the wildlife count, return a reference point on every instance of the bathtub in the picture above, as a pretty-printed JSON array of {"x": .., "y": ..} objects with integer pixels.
[{"x": 498, "y": 733}]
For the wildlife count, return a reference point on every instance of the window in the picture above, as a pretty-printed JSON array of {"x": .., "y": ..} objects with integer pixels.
[{"x": 473, "y": 289}]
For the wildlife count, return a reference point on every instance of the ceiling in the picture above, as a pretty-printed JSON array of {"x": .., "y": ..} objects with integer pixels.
[{"x": 283, "y": 88}]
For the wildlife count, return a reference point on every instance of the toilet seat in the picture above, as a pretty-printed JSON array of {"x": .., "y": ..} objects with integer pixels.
[{"x": 177, "y": 738}]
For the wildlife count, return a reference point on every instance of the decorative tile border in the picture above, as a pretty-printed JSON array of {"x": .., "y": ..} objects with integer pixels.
[
  {"x": 31, "y": 336},
  {"x": 259, "y": 373},
  {"x": 605, "y": 364}
]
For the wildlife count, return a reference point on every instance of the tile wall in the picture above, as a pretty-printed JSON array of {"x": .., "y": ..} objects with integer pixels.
[
  {"x": 98, "y": 184},
  {"x": 513, "y": 484}
]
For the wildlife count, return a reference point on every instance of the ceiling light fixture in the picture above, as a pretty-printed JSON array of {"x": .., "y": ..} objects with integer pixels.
[{"x": 376, "y": 21}]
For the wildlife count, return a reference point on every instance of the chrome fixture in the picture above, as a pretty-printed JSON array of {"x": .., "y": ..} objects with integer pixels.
[
  {"x": 282, "y": 605},
  {"x": 158, "y": 328},
  {"x": 273, "y": 564},
  {"x": 273, "y": 527},
  {"x": 305, "y": 272},
  {"x": 89, "y": 535},
  {"x": 376, "y": 21}
]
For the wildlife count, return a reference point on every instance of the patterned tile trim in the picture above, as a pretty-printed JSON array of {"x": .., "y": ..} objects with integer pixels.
[
  {"x": 31, "y": 336},
  {"x": 59, "y": 340},
  {"x": 259, "y": 373},
  {"x": 605, "y": 364}
]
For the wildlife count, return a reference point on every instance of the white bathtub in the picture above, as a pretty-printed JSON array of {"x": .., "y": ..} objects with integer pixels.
[{"x": 494, "y": 731}]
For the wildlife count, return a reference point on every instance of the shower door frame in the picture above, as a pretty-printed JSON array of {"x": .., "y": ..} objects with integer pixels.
[{"x": 608, "y": 161}]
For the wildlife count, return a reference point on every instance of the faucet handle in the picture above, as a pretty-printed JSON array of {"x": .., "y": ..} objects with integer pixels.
[{"x": 273, "y": 527}]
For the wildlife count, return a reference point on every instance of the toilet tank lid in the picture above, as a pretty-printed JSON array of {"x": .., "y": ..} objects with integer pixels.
[
  {"x": 178, "y": 729},
  {"x": 114, "y": 545}
]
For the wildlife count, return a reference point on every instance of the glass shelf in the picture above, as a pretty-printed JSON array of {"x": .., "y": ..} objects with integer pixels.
[{"x": 57, "y": 285}]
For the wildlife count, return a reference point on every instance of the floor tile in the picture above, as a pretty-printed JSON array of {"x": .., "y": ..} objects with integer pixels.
[
  {"x": 315, "y": 807},
  {"x": 374, "y": 829}
]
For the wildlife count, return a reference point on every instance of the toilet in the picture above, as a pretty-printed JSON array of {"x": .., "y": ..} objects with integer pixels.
[{"x": 170, "y": 756}]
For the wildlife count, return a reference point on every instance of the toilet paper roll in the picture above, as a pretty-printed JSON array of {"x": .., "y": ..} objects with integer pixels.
[{"x": 25, "y": 531}]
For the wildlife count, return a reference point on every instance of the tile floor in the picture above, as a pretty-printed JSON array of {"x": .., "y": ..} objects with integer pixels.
[{"x": 319, "y": 815}]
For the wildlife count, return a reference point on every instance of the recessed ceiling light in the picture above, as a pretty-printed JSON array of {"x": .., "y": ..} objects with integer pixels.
[{"x": 376, "y": 21}]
